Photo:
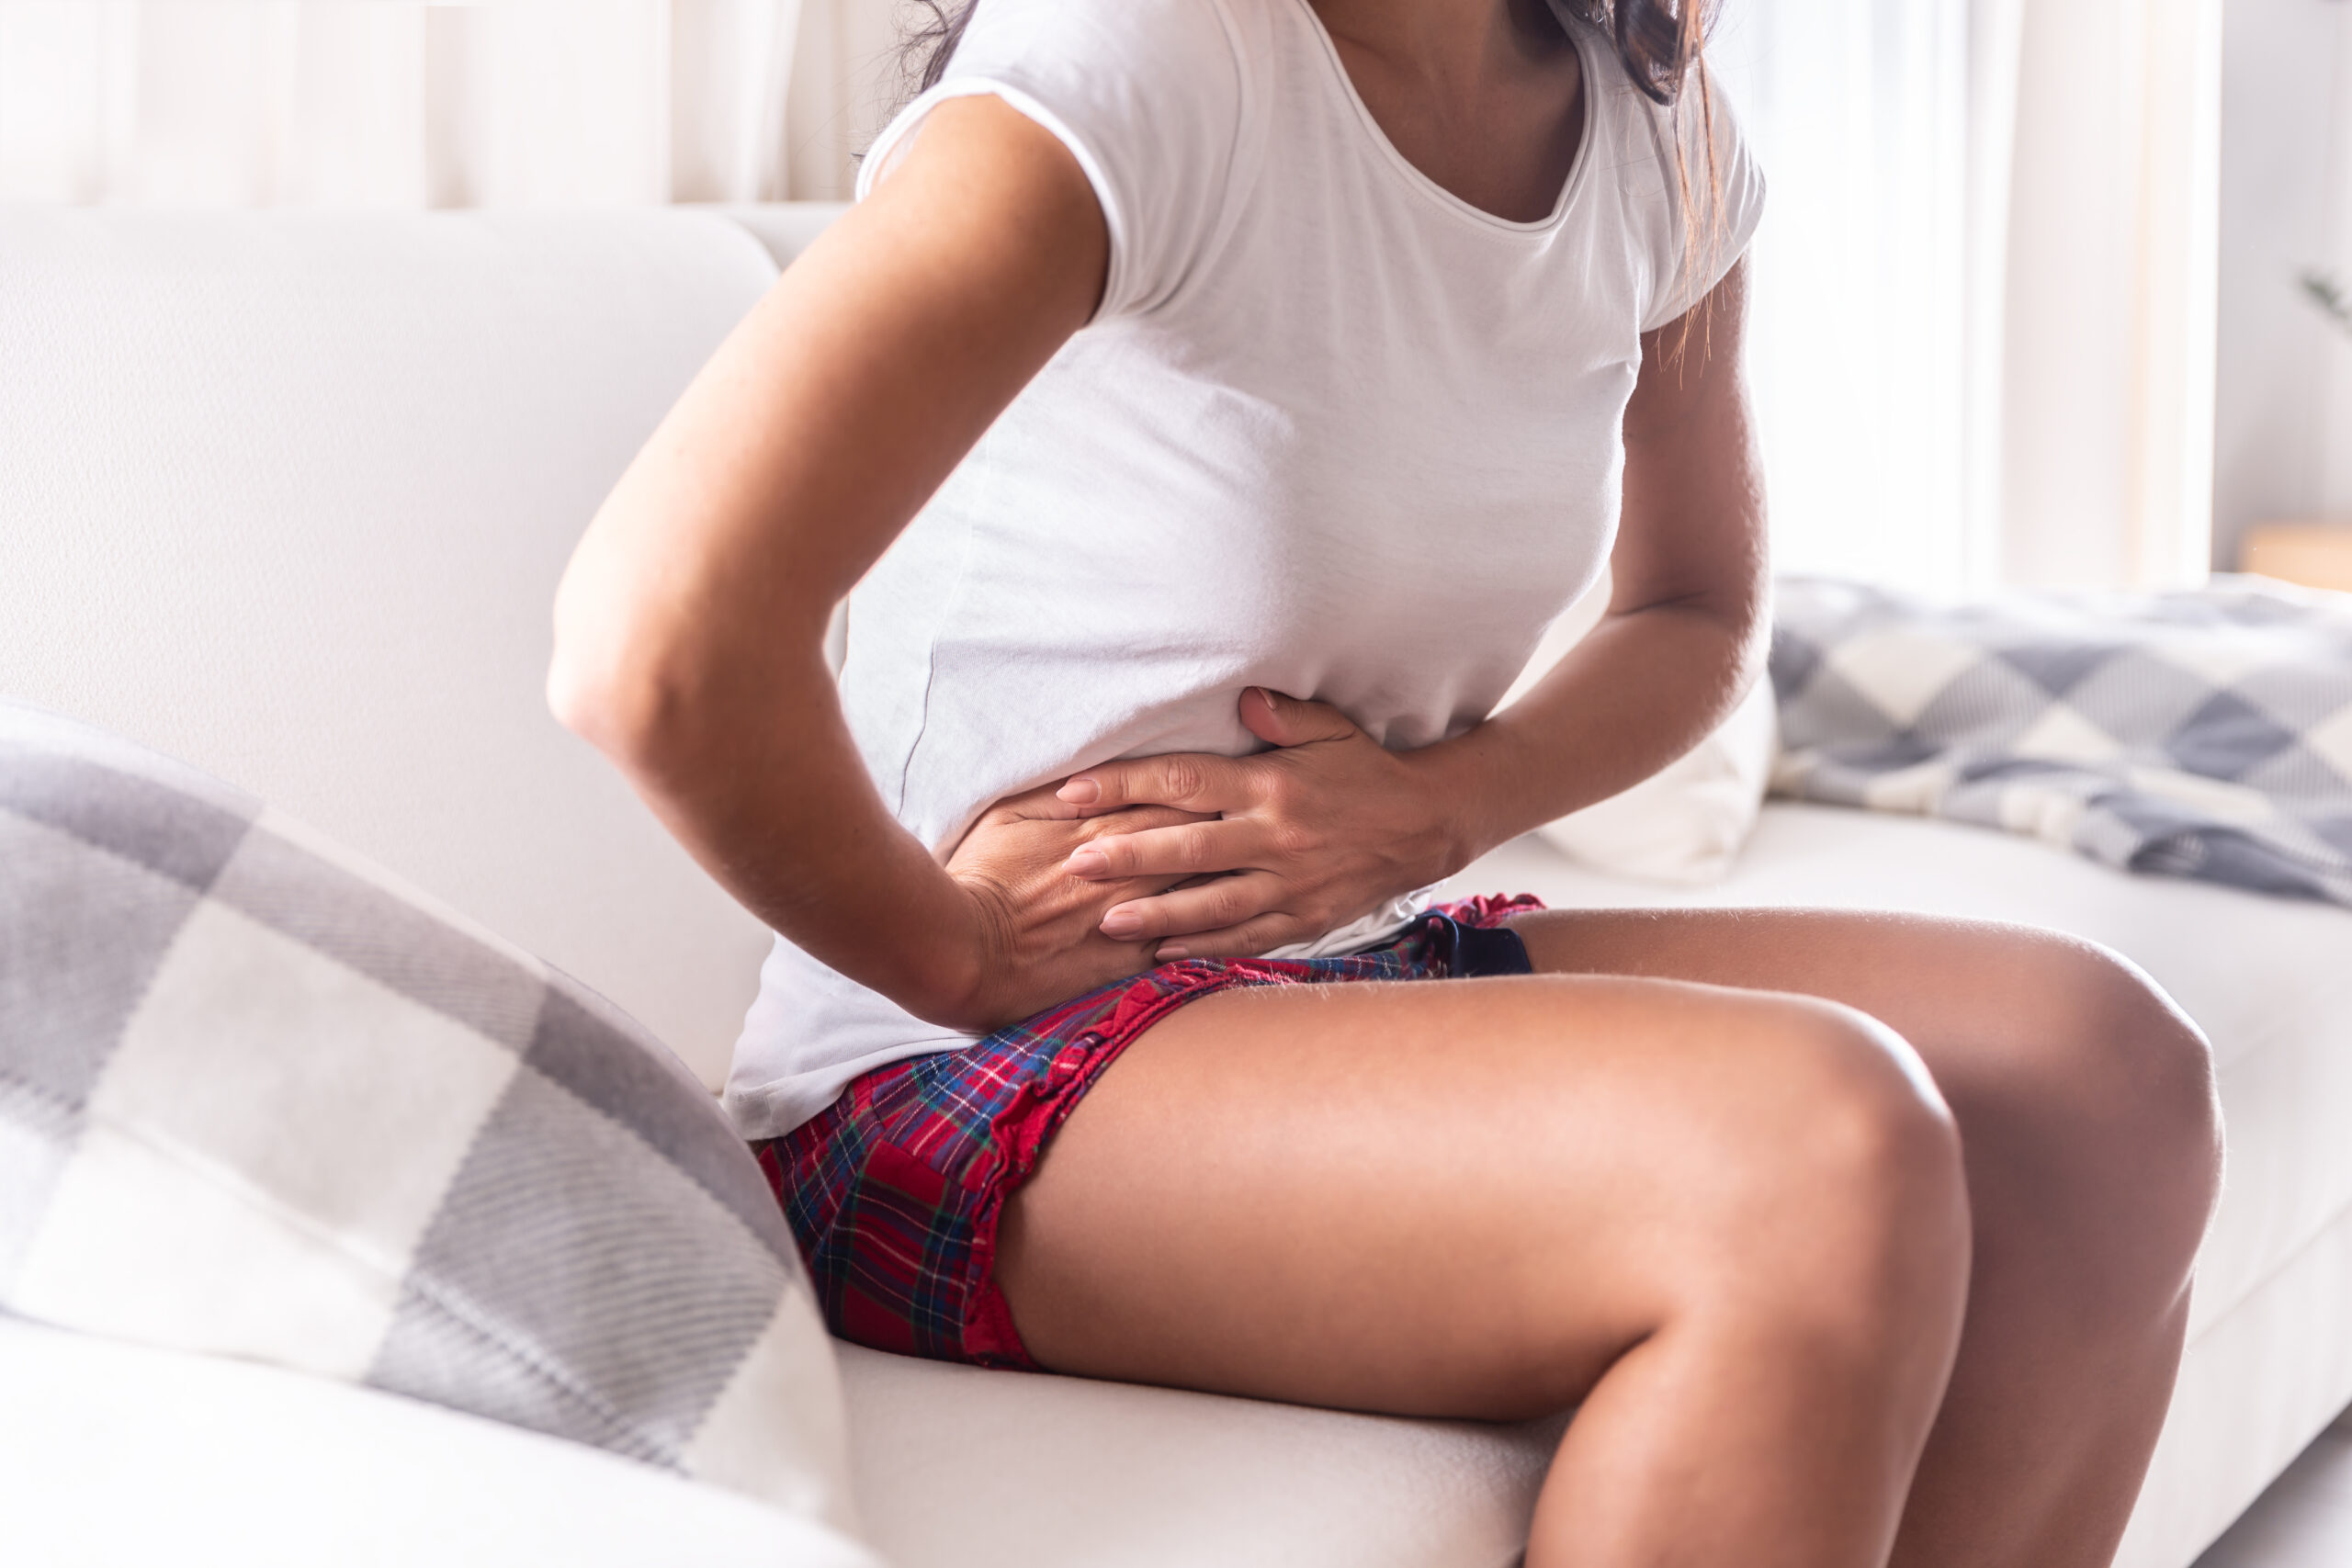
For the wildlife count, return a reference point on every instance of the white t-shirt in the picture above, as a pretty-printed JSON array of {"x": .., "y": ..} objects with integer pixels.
[{"x": 1333, "y": 431}]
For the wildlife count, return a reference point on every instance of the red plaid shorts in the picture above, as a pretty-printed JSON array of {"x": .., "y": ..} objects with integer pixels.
[{"x": 895, "y": 1190}]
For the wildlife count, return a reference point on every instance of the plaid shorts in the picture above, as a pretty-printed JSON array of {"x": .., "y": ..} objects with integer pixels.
[{"x": 895, "y": 1189}]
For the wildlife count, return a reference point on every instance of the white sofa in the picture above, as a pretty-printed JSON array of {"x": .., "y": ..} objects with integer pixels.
[{"x": 287, "y": 496}]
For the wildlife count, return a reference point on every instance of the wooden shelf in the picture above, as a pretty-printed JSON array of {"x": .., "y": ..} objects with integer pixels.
[{"x": 2317, "y": 555}]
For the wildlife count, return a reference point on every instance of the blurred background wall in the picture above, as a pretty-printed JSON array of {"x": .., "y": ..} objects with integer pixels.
[
  {"x": 371, "y": 104},
  {"x": 2283, "y": 430},
  {"x": 2027, "y": 305},
  {"x": 1985, "y": 327}
]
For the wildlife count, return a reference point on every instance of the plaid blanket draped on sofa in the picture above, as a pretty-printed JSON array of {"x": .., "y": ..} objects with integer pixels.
[{"x": 2203, "y": 733}]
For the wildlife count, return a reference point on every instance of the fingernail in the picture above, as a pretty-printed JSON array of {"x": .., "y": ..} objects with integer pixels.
[
  {"x": 1079, "y": 791},
  {"x": 1122, "y": 924},
  {"x": 1087, "y": 861},
  {"x": 1171, "y": 953}
]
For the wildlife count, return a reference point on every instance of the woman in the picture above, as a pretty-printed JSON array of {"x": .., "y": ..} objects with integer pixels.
[{"x": 1213, "y": 399}]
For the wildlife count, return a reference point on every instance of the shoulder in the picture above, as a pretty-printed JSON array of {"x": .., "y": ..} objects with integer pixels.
[
  {"x": 1119, "y": 73},
  {"x": 1151, "y": 97},
  {"x": 1192, "y": 44},
  {"x": 1689, "y": 187},
  {"x": 1650, "y": 140},
  {"x": 1124, "y": 80}
]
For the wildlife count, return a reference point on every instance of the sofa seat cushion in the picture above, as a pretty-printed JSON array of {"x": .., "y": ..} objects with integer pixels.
[
  {"x": 958, "y": 1466},
  {"x": 114, "y": 1453}
]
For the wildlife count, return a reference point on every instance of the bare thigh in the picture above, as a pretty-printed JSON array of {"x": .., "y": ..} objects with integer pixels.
[
  {"x": 2085, "y": 1098},
  {"x": 1462, "y": 1198}
]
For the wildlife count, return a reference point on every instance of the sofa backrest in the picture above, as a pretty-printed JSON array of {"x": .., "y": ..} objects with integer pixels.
[{"x": 288, "y": 495}]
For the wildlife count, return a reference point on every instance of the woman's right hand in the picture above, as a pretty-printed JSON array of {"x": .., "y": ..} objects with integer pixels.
[{"x": 1037, "y": 928}]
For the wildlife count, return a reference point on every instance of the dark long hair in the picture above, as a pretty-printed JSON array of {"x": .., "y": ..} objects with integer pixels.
[{"x": 1660, "y": 41}]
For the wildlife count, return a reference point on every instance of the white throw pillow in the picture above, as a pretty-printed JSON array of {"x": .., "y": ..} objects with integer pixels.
[
  {"x": 1686, "y": 822},
  {"x": 259, "y": 1099}
]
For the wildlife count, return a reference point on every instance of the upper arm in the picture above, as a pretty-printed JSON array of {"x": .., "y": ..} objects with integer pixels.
[
  {"x": 1693, "y": 531},
  {"x": 833, "y": 411}
]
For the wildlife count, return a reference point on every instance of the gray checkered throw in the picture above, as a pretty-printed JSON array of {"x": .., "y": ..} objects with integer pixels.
[
  {"x": 2204, "y": 734},
  {"x": 259, "y": 1099}
]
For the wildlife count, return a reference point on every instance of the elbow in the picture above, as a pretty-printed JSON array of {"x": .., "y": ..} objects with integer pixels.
[
  {"x": 667, "y": 682},
  {"x": 625, "y": 691},
  {"x": 598, "y": 698},
  {"x": 1737, "y": 641},
  {"x": 1753, "y": 643},
  {"x": 1742, "y": 608},
  {"x": 1749, "y": 663}
]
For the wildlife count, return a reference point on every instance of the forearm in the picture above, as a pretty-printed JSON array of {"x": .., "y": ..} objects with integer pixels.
[
  {"x": 739, "y": 746},
  {"x": 778, "y": 807},
  {"x": 1635, "y": 693}
]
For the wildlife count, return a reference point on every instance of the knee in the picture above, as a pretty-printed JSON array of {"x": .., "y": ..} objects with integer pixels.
[
  {"x": 1852, "y": 1209},
  {"x": 2133, "y": 1118}
]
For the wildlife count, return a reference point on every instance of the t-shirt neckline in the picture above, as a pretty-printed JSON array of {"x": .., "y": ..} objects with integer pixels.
[{"x": 1411, "y": 172}]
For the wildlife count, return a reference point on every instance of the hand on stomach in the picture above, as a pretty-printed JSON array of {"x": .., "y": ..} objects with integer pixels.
[
  {"x": 1040, "y": 927},
  {"x": 1196, "y": 855}
]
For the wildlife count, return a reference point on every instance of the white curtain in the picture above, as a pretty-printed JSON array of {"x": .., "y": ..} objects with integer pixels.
[
  {"x": 2114, "y": 281},
  {"x": 1983, "y": 309},
  {"x": 366, "y": 103},
  {"x": 1983, "y": 302},
  {"x": 2284, "y": 382},
  {"x": 1860, "y": 110}
]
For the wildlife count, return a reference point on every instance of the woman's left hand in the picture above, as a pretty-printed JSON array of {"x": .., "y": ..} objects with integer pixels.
[{"x": 1309, "y": 836}]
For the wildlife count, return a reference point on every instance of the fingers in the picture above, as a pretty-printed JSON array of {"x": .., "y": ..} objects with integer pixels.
[
  {"x": 1198, "y": 780},
  {"x": 1211, "y": 907},
  {"x": 1041, "y": 804},
  {"x": 1246, "y": 940},
  {"x": 1194, "y": 781},
  {"x": 1188, "y": 850},
  {"x": 1038, "y": 805},
  {"x": 1287, "y": 721}
]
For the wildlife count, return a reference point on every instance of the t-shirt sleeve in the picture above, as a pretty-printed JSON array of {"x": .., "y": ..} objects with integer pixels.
[
  {"x": 1148, "y": 95},
  {"x": 1716, "y": 194}
]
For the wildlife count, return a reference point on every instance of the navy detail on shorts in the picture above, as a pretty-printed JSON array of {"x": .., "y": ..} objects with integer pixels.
[{"x": 1480, "y": 950}]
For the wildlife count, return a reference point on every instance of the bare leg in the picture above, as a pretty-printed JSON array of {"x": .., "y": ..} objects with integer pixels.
[
  {"x": 1488, "y": 1197},
  {"x": 1732, "y": 1225},
  {"x": 2087, "y": 1114}
]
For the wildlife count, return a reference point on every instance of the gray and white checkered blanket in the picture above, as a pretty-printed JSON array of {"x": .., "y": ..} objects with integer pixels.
[
  {"x": 259, "y": 1100},
  {"x": 2204, "y": 734}
]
